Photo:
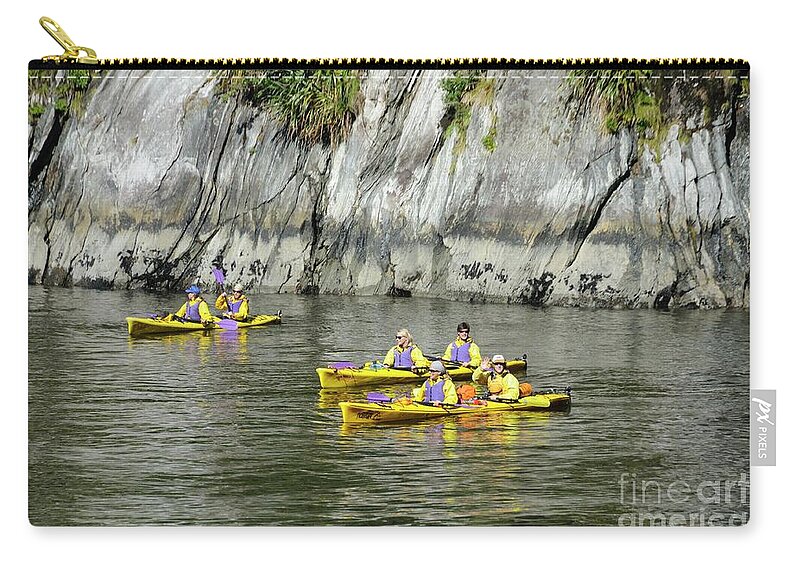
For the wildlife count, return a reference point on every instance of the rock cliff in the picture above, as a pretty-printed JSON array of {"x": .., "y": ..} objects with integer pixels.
[{"x": 151, "y": 177}]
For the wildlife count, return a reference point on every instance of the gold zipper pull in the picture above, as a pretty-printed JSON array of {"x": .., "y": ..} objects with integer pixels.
[{"x": 72, "y": 52}]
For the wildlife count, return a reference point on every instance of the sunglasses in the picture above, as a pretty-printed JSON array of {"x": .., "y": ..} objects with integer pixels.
[
  {"x": 466, "y": 331},
  {"x": 399, "y": 337}
]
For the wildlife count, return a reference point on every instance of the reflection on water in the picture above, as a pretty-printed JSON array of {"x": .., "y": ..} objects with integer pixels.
[
  {"x": 231, "y": 427},
  {"x": 200, "y": 346},
  {"x": 501, "y": 429}
]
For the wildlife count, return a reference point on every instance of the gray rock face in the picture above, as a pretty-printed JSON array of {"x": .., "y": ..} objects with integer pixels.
[{"x": 157, "y": 177}]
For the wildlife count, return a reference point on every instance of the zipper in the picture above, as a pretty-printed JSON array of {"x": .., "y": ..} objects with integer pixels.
[
  {"x": 72, "y": 52},
  {"x": 79, "y": 57}
]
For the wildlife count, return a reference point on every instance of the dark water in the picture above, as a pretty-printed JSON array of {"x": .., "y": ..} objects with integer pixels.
[{"x": 231, "y": 428}]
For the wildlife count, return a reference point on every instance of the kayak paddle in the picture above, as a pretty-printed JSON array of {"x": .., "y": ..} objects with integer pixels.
[
  {"x": 228, "y": 324},
  {"x": 219, "y": 277},
  {"x": 378, "y": 398},
  {"x": 183, "y": 319},
  {"x": 451, "y": 362}
]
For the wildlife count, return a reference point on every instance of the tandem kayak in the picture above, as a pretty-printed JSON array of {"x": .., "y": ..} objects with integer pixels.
[
  {"x": 145, "y": 326},
  {"x": 369, "y": 374},
  {"x": 371, "y": 412}
]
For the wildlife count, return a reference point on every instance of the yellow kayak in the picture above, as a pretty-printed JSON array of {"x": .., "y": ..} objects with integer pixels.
[
  {"x": 372, "y": 412},
  {"x": 373, "y": 374},
  {"x": 145, "y": 326}
]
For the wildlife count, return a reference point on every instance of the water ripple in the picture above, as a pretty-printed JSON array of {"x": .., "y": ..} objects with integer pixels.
[{"x": 233, "y": 429}]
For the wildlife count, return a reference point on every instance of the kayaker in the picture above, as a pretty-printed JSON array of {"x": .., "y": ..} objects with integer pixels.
[
  {"x": 237, "y": 305},
  {"x": 405, "y": 354},
  {"x": 195, "y": 309},
  {"x": 501, "y": 383},
  {"x": 438, "y": 389},
  {"x": 463, "y": 349}
]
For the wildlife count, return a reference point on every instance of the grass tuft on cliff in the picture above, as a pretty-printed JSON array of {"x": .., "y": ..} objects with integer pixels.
[
  {"x": 646, "y": 101},
  {"x": 64, "y": 91},
  {"x": 628, "y": 98},
  {"x": 462, "y": 92},
  {"x": 314, "y": 106}
]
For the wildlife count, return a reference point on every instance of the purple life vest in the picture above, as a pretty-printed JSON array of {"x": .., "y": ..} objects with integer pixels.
[
  {"x": 460, "y": 353},
  {"x": 193, "y": 311},
  {"x": 234, "y": 305},
  {"x": 403, "y": 359},
  {"x": 434, "y": 392}
]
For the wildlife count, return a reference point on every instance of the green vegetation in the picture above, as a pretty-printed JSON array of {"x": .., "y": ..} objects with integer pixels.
[
  {"x": 628, "y": 98},
  {"x": 78, "y": 79},
  {"x": 35, "y": 111},
  {"x": 314, "y": 106},
  {"x": 458, "y": 112},
  {"x": 639, "y": 100},
  {"x": 490, "y": 140},
  {"x": 744, "y": 93},
  {"x": 455, "y": 87},
  {"x": 64, "y": 92},
  {"x": 463, "y": 91}
]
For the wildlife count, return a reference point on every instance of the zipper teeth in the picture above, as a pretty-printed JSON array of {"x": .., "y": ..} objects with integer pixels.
[{"x": 684, "y": 63}]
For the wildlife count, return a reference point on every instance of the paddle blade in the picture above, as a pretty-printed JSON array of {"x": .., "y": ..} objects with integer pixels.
[
  {"x": 228, "y": 324},
  {"x": 219, "y": 276},
  {"x": 378, "y": 397}
]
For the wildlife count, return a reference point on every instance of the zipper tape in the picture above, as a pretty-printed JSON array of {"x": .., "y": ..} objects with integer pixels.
[{"x": 389, "y": 63}]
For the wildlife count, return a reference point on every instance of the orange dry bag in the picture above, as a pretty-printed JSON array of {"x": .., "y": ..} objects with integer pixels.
[{"x": 466, "y": 392}]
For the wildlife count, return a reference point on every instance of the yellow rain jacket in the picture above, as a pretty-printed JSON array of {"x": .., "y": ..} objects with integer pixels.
[
  {"x": 202, "y": 307},
  {"x": 474, "y": 352},
  {"x": 244, "y": 307},
  {"x": 505, "y": 386},
  {"x": 417, "y": 360},
  {"x": 448, "y": 388}
]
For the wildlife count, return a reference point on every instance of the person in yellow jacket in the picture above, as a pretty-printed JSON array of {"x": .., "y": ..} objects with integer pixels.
[
  {"x": 502, "y": 384},
  {"x": 237, "y": 305},
  {"x": 195, "y": 309},
  {"x": 463, "y": 349},
  {"x": 438, "y": 389},
  {"x": 405, "y": 354}
]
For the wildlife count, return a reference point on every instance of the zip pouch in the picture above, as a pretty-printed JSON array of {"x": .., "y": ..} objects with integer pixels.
[{"x": 581, "y": 225}]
